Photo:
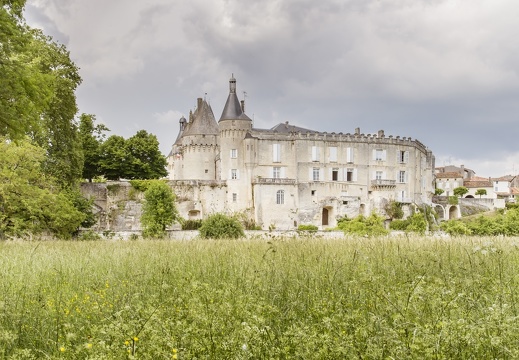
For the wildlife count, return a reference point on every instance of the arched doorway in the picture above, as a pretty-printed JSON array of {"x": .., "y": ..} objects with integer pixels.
[
  {"x": 440, "y": 211},
  {"x": 325, "y": 217},
  {"x": 454, "y": 212}
]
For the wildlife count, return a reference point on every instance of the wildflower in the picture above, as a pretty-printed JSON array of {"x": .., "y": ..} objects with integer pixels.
[
  {"x": 62, "y": 349},
  {"x": 89, "y": 346},
  {"x": 135, "y": 338},
  {"x": 126, "y": 343}
]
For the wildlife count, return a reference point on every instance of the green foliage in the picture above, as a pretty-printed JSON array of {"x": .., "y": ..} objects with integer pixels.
[
  {"x": 455, "y": 228},
  {"x": 438, "y": 191},
  {"x": 453, "y": 200},
  {"x": 191, "y": 224},
  {"x": 415, "y": 223},
  {"x": 353, "y": 298},
  {"x": 91, "y": 136},
  {"x": 394, "y": 210},
  {"x": 159, "y": 209},
  {"x": 506, "y": 223},
  {"x": 221, "y": 226},
  {"x": 460, "y": 191},
  {"x": 481, "y": 192},
  {"x": 138, "y": 157},
  {"x": 30, "y": 201},
  {"x": 372, "y": 225},
  {"x": 307, "y": 228}
]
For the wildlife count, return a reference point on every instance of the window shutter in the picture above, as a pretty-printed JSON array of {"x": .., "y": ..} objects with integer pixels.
[
  {"x": 406, "y": 157},
  {"x": 333, "y": 154},
  {"x": 276, "y": 152},
  {"x": 354, "y": 174},
  {"x": 321, "y": 174},
  {"x": 349, "y": 155},
  {"x": 311, "y": 174},
  {"x": 374, "y": 154},
  {"x": 383, "y": 155},
  {"x": 282, "y": 173},
  {"x": 406, "y": 176},
  {"x": 237, "y": 174},
  {"x": 384, "y": 175}
]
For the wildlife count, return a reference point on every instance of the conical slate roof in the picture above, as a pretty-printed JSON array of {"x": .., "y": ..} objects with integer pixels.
[
  {"x": 203, "y": 122},
  {"x": 233, "y": 109}
]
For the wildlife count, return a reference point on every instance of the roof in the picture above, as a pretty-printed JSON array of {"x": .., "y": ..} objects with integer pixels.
[
  {"x": 286, "y": 128},
  {"x": 448, "y": 175},
  {"x": 203, "y": 122},
  {"x": 233, "y": 109},
  {"x": 477, "y": 183},
  {"x": 504, "y": 178},
  {"x": 514, "y": 191}
]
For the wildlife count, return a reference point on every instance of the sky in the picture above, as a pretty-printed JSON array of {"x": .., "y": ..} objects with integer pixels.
[{"x": 444, "y": 72}]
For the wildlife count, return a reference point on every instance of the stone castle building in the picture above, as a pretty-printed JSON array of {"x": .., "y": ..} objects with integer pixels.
[{"x": 287, "y": 176}]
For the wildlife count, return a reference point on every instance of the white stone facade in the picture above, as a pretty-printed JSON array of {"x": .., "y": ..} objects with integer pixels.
[{"x": 287, "y": 176}]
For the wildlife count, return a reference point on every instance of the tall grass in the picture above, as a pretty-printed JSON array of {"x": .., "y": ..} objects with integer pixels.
[{"x": 287, "y": 299}]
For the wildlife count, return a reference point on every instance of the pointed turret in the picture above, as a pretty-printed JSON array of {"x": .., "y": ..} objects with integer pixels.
[{"x": 233, "y": 109}]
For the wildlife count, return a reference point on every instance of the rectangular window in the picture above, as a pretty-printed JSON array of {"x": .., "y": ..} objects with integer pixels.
[
  {"x": 276, "y": 172},
  {"x": 234, "y": 153},
  {"x": 234, "y": 174},
  {"x": 402, "y": 157},
  {"x": 315, "y": 174},
  {"x": 349, "y": 174},
  {"x": 379, "y": 155},
  {"x": 276, "y": 152},
  {"x": 349, "y": 155},
  {"x": 234, "y": 197},
  {"x": 333, "y": 154},
  {"x": 378, "y": 175},
  {"x": 315, "y": 153},
  {"x": 280, "y": 197},
  {"x": 335, "y": 174},
  {"x": 402, "y": 177}
]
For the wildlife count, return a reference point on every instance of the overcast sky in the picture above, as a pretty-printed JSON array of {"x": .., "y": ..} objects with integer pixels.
[{"x": 445, "y": 72}]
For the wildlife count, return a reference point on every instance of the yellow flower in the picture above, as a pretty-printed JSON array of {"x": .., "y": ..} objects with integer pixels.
[
  {"x": 174, "y": 356},
  {"x": 135, "y": 338},
  {"x": 126, "y": 343},
  {"x": 175, "y": 351},
  {"x": 62, "y": 349},
  {"x": 89, "y": 346}
]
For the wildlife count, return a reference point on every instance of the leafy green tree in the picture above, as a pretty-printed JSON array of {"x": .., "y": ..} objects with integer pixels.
[
  {"x": 146, "y": 160},
  {"x": 159, "y": 210},
  {"x": 220, "y": 226},
  {"x": 481, "y": 192},
  {"x": 460, "y": 191},
  {"x": 92, "y": 136},
  {"x": 30, "y": 200},
  {"x": 138, "y": 157},
  {"x": 113, "y": 160},
  {"x": 438, "y": 191},
  {"x": 394, "y": 210}
]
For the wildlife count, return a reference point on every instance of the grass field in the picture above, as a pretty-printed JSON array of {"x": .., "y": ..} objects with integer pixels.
[{"x": 388, "y": 298}]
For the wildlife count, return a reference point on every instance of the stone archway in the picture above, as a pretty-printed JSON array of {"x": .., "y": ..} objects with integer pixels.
[
  {"x": 440, "y": 210},
  {"x": 454, "y": 212}
]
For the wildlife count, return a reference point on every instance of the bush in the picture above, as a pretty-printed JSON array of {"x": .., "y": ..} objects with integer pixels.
[
  {"x": 191, "y": 224},
  {"x": 307, "y": 228},
  {"x": 159, "y": 211},
  {"x": 455, "y": 227},
  {"x": 372, "y": 225},
  {"x": 220, "y": 226}
]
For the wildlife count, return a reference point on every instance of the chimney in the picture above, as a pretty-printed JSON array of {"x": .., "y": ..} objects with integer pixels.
[
  {"x": 357, "y": 131},
  {"x": 199, "y": 103},
  {"x": 242, "y": 106},
  {"x": 381, "y": 133}
]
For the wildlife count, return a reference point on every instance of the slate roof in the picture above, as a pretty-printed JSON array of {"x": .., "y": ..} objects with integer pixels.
[
  {"x": 203, "y": 122},
  {"x": 232, "y": 109}
]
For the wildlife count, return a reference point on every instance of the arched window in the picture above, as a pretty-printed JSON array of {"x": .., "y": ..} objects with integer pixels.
[{"x": 280, "y": 197}]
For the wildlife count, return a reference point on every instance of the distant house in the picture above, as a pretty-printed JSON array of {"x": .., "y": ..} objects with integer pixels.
[
  {"x": 506, "y": 187},
  {"x": 476, "y": 183},
  {"x": 448, "y": 181}
]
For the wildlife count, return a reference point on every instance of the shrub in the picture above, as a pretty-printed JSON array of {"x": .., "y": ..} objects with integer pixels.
[
  {"x": 307, "y": 228},
  {"x": 159, "y": 210},
  {"x": 191, "y": 224},
  {"x": 220, "y": 226},
  {"x": 372, "y": 225},
  {"x": 455, "y": 227}
]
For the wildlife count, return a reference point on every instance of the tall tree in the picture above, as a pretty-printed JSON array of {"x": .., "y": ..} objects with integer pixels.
[
  {"x": 159, "y": 210},
  {"x": 113, "y": 160},
  {"x": 146, "y": 161},
  {"x": 92, "y": 136}
]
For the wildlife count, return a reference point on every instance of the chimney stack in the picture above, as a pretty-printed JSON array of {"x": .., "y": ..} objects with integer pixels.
[
  {"x": 357, "y": 131},
  {"x": 242, "y": 105}
]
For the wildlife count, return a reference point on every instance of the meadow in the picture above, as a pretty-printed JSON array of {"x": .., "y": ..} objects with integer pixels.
[{"x": 354, "y": 298}]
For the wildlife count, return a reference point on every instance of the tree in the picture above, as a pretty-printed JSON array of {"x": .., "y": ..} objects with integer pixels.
[
  {"x": 138, "y": 157},
  {"x": 146, "y": 161},
  {"x": 30, "y": 200},
  {"x": 460, "y": 191},
  {"x": 481, "y": 192},
  {"x": 438, "y": 191},
  {"x": 394, "y": 210},
  {"x": 159, "y": 210},
  {"x": 113, "y": 160},
  {"x": 92, "y": 136}
]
